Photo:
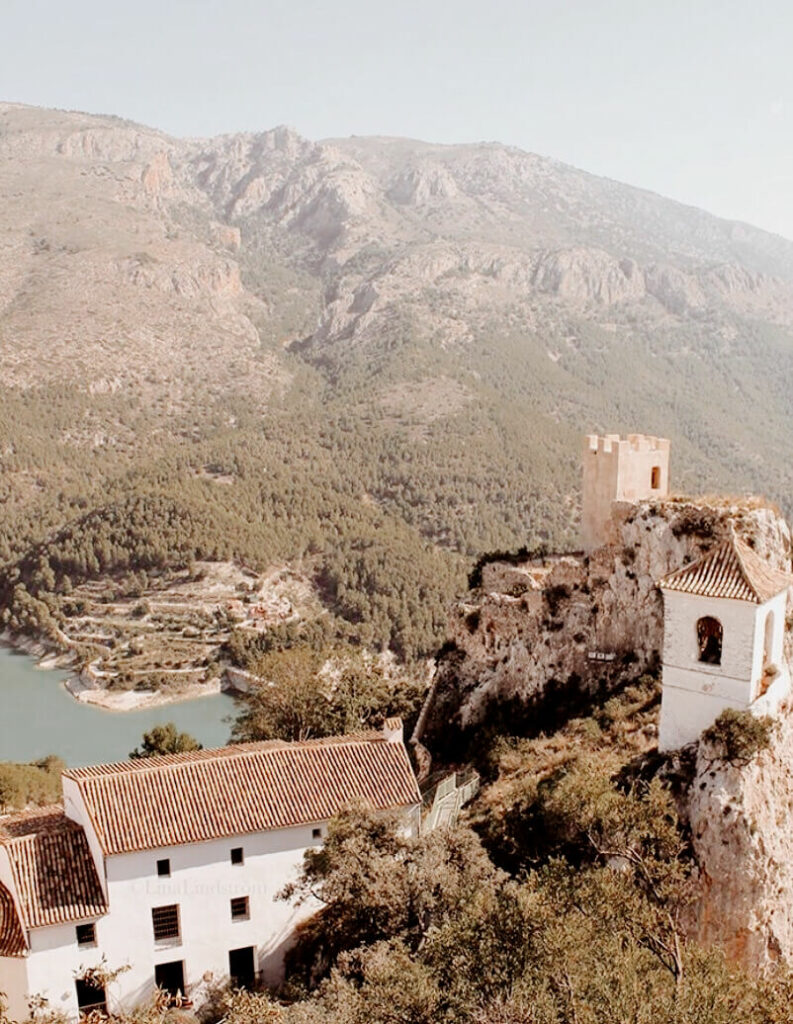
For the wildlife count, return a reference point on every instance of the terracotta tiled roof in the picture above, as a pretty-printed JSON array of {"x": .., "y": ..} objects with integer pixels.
[
  {"x": 54, "y": 873},
  {"x": 730, "y": 570},
  {"x": 12, "y": 938},
  {"x": 202, "y": 795}
]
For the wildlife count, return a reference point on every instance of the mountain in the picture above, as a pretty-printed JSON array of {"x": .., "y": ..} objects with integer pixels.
[{"x": 370, "y": 356}]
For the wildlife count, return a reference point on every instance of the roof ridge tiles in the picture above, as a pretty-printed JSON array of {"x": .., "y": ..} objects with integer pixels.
[
  {"x": 225, "y": 753},
  {"x": 731, "y": 569}
]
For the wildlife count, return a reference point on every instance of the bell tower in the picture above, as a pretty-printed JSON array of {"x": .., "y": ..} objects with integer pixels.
[{"x": 724, "y": 627}]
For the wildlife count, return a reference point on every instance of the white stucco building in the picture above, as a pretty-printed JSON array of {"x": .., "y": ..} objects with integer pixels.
[
  {"x": 171, "y": 865},
  {"x": 724, "y": 627}
]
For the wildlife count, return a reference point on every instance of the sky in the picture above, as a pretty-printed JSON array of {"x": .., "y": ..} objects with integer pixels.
[{"x": 690, "y": 99}]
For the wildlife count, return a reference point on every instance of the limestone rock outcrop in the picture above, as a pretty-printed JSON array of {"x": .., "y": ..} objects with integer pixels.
[
  {"x": 741, "y": 818},
  {"x": 572, "y": 624}
]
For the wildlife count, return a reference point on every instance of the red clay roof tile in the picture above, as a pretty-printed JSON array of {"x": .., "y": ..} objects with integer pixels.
[
  {"x": 202, "y": 795},
  {"x": 730, "y": 570},
  {"x": 52, "y": 867}
]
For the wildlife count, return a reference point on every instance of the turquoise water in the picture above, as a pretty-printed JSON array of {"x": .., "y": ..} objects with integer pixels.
[{"x": 39, "y": 717}]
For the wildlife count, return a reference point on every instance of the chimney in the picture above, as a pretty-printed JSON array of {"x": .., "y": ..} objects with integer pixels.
[{"x": 393, "y": 731}]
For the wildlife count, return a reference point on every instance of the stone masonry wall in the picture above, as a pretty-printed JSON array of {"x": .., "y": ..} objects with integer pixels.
[{"x": 534, "y": 631}]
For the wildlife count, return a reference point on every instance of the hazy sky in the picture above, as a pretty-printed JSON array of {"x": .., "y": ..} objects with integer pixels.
[{"x": 691, "y": 99}]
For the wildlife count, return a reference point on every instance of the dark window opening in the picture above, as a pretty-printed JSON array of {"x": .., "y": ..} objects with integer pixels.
[
  {"x": 240, "y": 908},
  {"x": 316, "y": 833},
  {"x": 164, "y": 867},
  {"x": 170, "y": 978},
  {"x": 236, "y": 855},
  {"x": 166, "y": 922},
  {"x": 86, "y": 934},
  {"x": 655, "y": 478},
  {"x": 709, "y": 638},
  {"x": 90, "y": 998},
  {"x": 242, "y": 969}
]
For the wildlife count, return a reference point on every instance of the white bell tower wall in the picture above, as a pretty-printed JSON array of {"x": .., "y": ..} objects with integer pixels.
[{"x": 696, "y": 692}]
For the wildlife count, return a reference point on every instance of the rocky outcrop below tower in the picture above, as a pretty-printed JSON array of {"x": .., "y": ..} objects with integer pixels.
[
  {"x": 539, "y": 631},
  {"x": 741, "y": 819}
]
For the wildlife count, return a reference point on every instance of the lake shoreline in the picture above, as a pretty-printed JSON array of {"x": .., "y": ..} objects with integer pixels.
[
  {"x": 116, "y": 701},
  {"x": 40, "y": 716}
]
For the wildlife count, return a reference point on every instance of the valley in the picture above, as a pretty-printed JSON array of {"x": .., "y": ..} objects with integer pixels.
[{"x": 368, "y": 360}]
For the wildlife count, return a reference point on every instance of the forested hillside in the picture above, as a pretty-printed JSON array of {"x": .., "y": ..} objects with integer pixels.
[{"x": 370, "y": 358}]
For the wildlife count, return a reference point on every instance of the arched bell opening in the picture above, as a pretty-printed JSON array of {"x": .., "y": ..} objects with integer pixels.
[{"x": 710, "y": 635}]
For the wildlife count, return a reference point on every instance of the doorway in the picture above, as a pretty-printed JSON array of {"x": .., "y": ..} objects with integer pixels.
[
  {"x": 170, "y": 977},
  {"x": 242, "y": 967},
  {"x": 90, "y": 997}
]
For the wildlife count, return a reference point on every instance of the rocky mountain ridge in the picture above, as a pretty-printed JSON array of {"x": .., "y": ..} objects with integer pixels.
[{"x": 431, "y": 327}]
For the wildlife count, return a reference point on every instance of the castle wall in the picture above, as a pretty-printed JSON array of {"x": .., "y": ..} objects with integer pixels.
[{"x": 619, "y": 469}]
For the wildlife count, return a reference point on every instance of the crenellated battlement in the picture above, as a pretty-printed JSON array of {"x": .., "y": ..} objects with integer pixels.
[
  {"x": 614, "y": 444},
  {"x": 619, "y": 468}
]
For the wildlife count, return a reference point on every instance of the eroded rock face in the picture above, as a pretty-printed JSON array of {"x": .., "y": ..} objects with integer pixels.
[
  {"x": 741, "y": 820},
  {"x": 578, "y": 625}
]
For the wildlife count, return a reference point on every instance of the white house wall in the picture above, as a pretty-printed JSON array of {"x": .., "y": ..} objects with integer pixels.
[
  {"x": 778, "y": 607},
  {"x": 203, "y": 881},
  {"x": 738, "y": 620},
  {"x": 14, "y": 986},
  {"x": 54, "y": 961},
  {"x": 695, "y": 693}
]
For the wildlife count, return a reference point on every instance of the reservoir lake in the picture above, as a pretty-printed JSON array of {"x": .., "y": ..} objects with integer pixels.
[{"x": 38, "y": 717}]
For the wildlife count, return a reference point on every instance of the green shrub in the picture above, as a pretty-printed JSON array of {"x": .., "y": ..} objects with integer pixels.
[{"x": 739, "y": 735}]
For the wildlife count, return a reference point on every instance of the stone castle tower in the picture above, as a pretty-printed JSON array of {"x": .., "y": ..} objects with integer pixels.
[
  {"x": 724, "y": 627},
  {"x": 619, "y": 469}
]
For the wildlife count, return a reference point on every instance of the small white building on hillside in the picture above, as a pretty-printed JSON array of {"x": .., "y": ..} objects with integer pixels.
[
  {"x": 724, "y": 628},
  {"x": 171, "y": 865}
]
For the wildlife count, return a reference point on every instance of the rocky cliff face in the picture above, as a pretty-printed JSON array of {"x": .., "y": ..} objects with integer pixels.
[
  {"x": 741, "y": 818},
  {"x": 577, "y": 625},
  {"x": 536, "y": 632}
]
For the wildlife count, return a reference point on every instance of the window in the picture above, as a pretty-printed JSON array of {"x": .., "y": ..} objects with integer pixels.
[
  {"x": 709, "y": 639},
  {"x": 240, "y": 908},
  {"x": 236, "y": 855},
  {"x": 316, "y": 833},
  {"x": 166, "y": 922},
  {"x": 86, "y": 934},
  {"x": 655, "y": 477},
  {"x": 768, "y": 640},
  {"x": 164, "y": 868}
]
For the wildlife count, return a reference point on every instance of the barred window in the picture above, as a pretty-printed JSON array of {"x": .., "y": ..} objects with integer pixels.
[
  {"x": 240, "y": 908},
  {"x": 166, "y": 922},
  {"x": 86, "y": 934}
]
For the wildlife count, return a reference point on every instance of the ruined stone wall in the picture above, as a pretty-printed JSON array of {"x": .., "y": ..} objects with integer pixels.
[{"x": 549, "y": 632}]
